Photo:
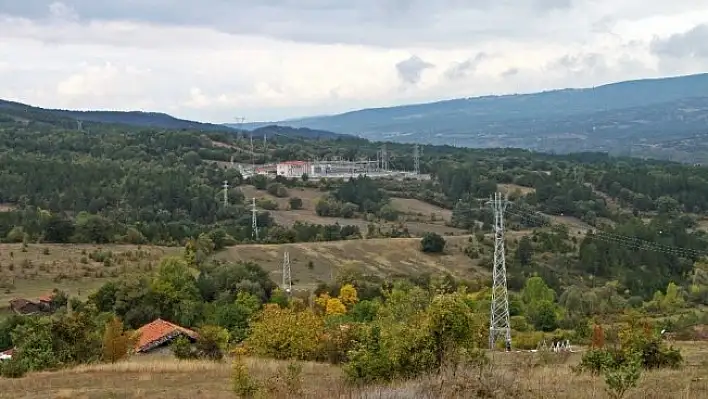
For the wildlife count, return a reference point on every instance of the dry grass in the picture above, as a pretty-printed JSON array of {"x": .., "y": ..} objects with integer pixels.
[
  {"x": 43, "y": 267},
  {"x": 427, "y": 212},
  {"x": 512, "y": 188},
  {"x": 374, "y": 256},
  {"x": 419, "y": 217},
  {"x": 511, "y": 375}
]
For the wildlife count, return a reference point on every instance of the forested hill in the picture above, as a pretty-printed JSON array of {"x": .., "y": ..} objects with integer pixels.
[
  {"x": 661, "y": 118},
  {"x": 68, "y": 119},
  {"x": 131, "y": 118},
  {"x": 120, "y": 185}
]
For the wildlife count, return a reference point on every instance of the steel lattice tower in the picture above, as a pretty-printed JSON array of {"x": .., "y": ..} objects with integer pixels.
[
  {"x": 287, "y": 277},
  {"x": 416, "y": 159},
  {"x": 254, "y": 221},
  {"x": 499, "y": 315},
  {"x": 226, "y": 193}
]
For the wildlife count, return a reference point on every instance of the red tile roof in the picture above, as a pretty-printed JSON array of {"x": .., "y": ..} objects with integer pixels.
[
  {"x": 46, "y": 298},
  {"x": 159, "y": 330}
]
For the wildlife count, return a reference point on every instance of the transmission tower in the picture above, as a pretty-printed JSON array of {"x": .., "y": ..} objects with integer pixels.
[
  {"x": 253, "y": 156},
  {"x": 79, "y": 125},
  {"x": 416, "y": 159},
  {"x": 499, "y": 315},
  {"x": 287, "y": 277},
  {"x": 226, "y": 193},
  {"x": 265, "y": 147},
  {"x": 254, "y": 221},
  {"x": 384, "y": 158}
]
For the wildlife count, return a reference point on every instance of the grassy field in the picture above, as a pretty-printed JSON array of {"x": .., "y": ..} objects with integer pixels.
[
  {"x": 510, "y": 375},
  {"x": 375, "y": 256},
  {"x": 419, "y": 217},
  {"x": 76, "y": 269}
]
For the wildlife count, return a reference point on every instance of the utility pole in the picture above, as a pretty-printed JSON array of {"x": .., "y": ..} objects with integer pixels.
[
  {"x": 416, "y": 159},
  {"x": 265, "y": 147},
  {"x": 384, "y": 158},
  {"x": 253, "y": 156},
  {"x": 287, "y": 277},
  {"x": 226, "y": 193},
  {"x": 499, "y": 315},
  {"x": 254, "y": 220}
]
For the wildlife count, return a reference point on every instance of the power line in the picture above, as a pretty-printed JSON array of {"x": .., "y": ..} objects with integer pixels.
[
  {"x": 601, "y": 235},
  {"x": 499, "y": 313}
]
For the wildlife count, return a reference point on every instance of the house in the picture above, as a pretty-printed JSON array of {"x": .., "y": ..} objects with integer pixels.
[
  {"x": 45, "y": 302},
  {"x": 293, "y": 168},
  {"x": 160, "y": 332},
  {"x": 6, "y": 355},
  {"x": 25, "y": 306}
]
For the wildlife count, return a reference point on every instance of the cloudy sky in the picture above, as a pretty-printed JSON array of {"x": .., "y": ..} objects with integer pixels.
[{"x": 216, "y": 60}]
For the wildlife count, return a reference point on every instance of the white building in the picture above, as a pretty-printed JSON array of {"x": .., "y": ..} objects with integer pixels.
[{"x": 293, "y": 168}]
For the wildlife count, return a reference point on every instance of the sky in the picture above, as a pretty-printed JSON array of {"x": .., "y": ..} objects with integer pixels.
[{"x": 267, "y": 60}]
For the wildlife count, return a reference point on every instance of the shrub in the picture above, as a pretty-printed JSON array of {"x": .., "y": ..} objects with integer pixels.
[
  {"x": 295, "y": 203},
  {"x": 432, "y": 243},
  {"x": 278, "y": 190}
]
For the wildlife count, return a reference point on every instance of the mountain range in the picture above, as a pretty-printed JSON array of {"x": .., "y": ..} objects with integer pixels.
[
  {"x": 649, "y": 117},
  {"x": 665, "y": 118},
  {"x": 76, "y": 119}
]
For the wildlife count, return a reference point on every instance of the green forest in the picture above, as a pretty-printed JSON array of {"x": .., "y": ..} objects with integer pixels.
[{"x": 633, "y": 250}]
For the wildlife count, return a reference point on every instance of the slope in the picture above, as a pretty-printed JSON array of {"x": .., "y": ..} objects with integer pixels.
[
  {"x": 382, "y": 257},
  {"x": 131, "y": 118},
  {"x": 609, "y": 117}
]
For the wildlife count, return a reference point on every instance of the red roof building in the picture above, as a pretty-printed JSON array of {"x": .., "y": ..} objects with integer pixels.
[
  {"x": 160, "y": 332},
  {"x": 7, "y": 355}
]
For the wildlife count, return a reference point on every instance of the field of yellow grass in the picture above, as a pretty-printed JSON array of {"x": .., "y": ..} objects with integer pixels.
[
  {"x": 40, "y": 268},
  {"x": 419, "y": 217},
  {"x": 384, "y": 257},
  {"x": 510, "y": 375}
]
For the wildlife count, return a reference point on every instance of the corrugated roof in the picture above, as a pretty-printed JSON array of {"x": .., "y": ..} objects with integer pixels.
[
  {"x": 158, "y": 330},
  {"x": 7, "y": 354}
]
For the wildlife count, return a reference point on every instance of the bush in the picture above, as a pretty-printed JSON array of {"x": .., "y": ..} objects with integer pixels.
[
  {"x": 12, "y": 368},
  {"x": 432, "y": 243},
  {"x": 295, "y": 203},
  {"x": 278, "y": 190}
]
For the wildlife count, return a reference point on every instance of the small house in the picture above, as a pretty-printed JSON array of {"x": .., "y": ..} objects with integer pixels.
[
  {"x": 6, "y": 355},
  {"x": 159, "y": 333}
]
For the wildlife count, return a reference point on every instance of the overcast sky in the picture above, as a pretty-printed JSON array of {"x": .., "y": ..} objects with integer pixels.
[{"x": 215, "y": 60}]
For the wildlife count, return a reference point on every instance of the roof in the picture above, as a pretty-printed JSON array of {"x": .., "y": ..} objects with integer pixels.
[
  {"x": 21, "y": 302},
  {"x": 7, "y": 354},
  {"x": 46, "y": 298},
  {"x": 293, "y": 163},
  {"x": 160, "y": 330}
]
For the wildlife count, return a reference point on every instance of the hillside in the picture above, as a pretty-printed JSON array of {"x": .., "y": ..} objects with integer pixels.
[
  {"x": 322, "y": 262},
  {"x": 130, "y": 118},
  {"x": 71, "y": 119},
  {"x": 630, "y": 118}
]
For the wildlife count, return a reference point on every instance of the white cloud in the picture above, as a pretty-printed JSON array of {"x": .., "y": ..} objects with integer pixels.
[{"x": 213, "y": 60}]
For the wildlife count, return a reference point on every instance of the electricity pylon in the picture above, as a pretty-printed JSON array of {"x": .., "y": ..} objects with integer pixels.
[
  {"x": 287, "y": 277},
  {"x": 499, "y": 315},
  {"x": 254, "y": 220},
  {"x": 226, "y": 193},
  {"x": 416, "y": 159}
]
